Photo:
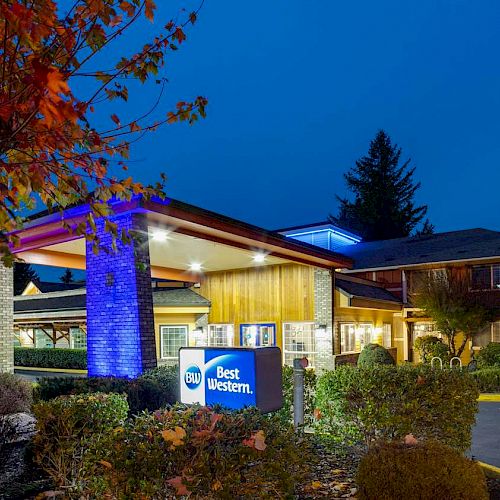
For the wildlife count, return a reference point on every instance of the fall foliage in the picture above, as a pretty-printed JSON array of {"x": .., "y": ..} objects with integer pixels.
[{"x": 50, "y": 152}]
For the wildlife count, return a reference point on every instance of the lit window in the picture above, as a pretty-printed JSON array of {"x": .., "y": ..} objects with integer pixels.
[
  {"x": 364, "y": 332},
  {"x": 347, "y": 337},
  {"x": 43, "y": 338},
  {"x": 422, "y": 329},
  {"x": 495, "y": 331},
  {"x": 262, "y": 335},
  {"x": 299, "y": 341},
  {"x": 78, "y": 338},
  {"x": 220, "y": 335},
  {"x": 172, "y": 338},
  {"x": 387, "y": 335},
  {"x": 496, "y": 276}
]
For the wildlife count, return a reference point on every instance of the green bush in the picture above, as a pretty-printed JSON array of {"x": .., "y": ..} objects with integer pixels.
[
  {"x": 285, "y": 414},
  {"x": 430, "y": 346},
  {"x": 374, "y": 354},
  {"x": 489, "y": 356},
  {"x": 51, "y": 358},
  {"x": 151, "y": 391},
  {"x": 430, "y": 469},
  {"x": 386, "y": 402},
  {"x": 16, "y": 394},
  {"x": 487, "y": 379},
  {"x": 68, "y": 430},
  {"x": 168, "y": 379},
  {"x": 205, "y": 452}
]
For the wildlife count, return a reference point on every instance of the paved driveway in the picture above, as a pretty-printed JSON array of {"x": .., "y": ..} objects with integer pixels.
[
  {"x": 33, "y": 375},
  {"x": 486, "y": 434}
]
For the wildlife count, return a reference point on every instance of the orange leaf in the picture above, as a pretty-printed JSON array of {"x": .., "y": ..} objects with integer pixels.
[
  {"x": 149, "y": 11},
  {"x": 410, "y": 440},
  {"x": 175, "y": 436},
  {"x": 105, "y": 464},
  {"x": 259, "y": 438},
  {"x": 56, "y": 82}
]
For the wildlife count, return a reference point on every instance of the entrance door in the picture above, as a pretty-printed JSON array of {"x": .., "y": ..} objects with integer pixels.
[{"x": 263, "y": 335}]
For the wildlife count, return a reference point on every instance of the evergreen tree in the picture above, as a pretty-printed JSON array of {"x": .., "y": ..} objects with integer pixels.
[
  {"x": 383, "y": 206},
  {"x": 67, "y": 277},
  {"x": 23, "y": 274}
]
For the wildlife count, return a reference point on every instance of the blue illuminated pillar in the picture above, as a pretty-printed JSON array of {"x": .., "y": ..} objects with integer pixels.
[{"x": 120, "y": 321}]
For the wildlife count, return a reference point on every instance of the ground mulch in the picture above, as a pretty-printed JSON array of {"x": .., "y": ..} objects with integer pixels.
[{"x": 331, "y": 474}]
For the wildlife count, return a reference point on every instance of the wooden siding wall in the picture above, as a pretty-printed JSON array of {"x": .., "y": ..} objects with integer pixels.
[{"x": 266, "y": 294}]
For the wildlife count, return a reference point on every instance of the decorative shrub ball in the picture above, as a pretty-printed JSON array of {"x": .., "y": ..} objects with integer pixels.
[
  {"x": 426, "y": 470},
  {"x": 374, "y": 354}
]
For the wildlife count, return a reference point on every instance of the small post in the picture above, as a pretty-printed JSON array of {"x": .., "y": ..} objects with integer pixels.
[
  {"x": 299, "y": 366},
  {"x": 459, "y": 364},
  {"x": 438, "y": 359}
]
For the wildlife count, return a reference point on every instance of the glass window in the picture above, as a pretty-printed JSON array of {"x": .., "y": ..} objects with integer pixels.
[
  {"x": 496, "y": 276},
  {"x": 78, "y": 338},
  {"x": 387, "y": 335},
  {"x": 172, "y": 338},
  {"x": 495, "y": 331},
  {"x": 481, "y": 277},
  {"x": 299, "y": 341},
  {"x": 220, "y": 335},
  {"x": 262, "y": 335},
  {"x": 422, "y": 329},
  {"x": 347, "y": 337},
  {"x": 365, "y": 333},
  {"x": 43, "y": 338}
]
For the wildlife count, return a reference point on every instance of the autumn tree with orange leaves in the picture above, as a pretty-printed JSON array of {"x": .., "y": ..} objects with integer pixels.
[{"x": 50, "y": 152}]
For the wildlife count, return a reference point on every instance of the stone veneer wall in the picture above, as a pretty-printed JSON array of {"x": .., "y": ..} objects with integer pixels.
[
  {"x": 323, "y": 315},
  {"x": 120, "y": 320},
  {"x": 6, "y": 319}
]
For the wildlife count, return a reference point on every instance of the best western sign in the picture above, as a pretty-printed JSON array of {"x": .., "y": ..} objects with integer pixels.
[{"x": 231, "y": 377}]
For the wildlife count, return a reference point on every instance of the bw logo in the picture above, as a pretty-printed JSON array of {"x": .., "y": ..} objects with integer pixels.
[{"x": 192, "y": 377}]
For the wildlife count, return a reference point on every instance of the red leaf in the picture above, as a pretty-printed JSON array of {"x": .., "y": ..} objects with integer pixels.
[
  {"x": 180, "y": 487},
  {"x": 115, "y": 119},
  {"x": 149, "y": 11}
]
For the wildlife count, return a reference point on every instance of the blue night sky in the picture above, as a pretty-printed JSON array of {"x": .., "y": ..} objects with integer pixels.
[{"x": 297, "y": 89}]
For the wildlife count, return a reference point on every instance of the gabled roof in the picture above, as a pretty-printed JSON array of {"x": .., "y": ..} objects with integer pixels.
[
  {"x": 75, "y": 300},
  {"x": 365, "y": 290},
  {"x": 451, "y": 246},
  {"x": 48, "y": 286},
  {"x": 180, "y": 297}
]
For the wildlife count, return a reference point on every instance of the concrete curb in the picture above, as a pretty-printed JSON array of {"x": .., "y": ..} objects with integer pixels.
[
  {"x": 52, "y": 370},
  {"x": 495, "y": 398}
]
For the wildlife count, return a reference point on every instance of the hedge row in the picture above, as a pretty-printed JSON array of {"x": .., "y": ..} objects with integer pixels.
[
  {"x": 90, "y": 450},
  {"x": 487, "y": 379},
  {"x": 50, "y": 358},
  {"x": 388, "y": 403}
]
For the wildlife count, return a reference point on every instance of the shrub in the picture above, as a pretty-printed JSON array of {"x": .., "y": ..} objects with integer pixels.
[
  {"x": 69, "y": 427},
  {"x": 51, "y": 358},
  {"x": 487, "y": 379},
  {"x": 374, "y": 354},
  {"x": 386, "y": 402},
  {"x": 168, "y": 378},
  {"x": 430, "y": 346},
  {"x": 489, "y": 356},
  {"x": 208, "y": 452},
  {"x": 143, "y": 393},
  {"x": 16, "y": 394},
  {"x": 285, "y": 414},
  {"x": 425, "y": 470}
]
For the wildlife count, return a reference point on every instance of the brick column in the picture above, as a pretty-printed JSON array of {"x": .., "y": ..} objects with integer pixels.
[
  {"x": 6, "y": 319},
  {"x": 323, "y": 316},
  {"x": 120, "y": 321}
]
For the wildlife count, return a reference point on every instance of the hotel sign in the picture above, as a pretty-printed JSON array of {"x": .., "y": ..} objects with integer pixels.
[{"x": 231, "y": 377}]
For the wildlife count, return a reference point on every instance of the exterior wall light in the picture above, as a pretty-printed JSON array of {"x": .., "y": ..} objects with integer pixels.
[
  {"x": 159, "y": 235},
  {"x": 321, "y": 331},
  {"x": 195, "y": 267},
  {"x": 259, "y": 258}
]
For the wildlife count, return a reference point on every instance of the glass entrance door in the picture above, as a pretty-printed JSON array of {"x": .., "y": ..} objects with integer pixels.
[{"x": 263, "y": 335}]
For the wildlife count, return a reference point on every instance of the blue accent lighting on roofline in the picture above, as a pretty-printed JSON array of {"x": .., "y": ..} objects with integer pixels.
[{"x": 323, "y": 235}]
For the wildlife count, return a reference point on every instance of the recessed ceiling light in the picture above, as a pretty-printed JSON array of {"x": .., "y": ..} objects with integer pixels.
[
  {"x": 159, "y": 235},
  {"x": 195, "y": 266},
  {"x": 259, "y": 257}
]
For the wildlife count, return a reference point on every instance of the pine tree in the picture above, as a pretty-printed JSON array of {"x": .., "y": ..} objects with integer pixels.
[
  {"x": 23, "y": 274},
  {"x": 383, "y": 206},
  {"x": 67, "y": 277}
]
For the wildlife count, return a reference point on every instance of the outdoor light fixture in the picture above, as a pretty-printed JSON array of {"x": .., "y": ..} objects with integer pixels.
[
  {"x": 259, "y": 258},
  {"x": 159, "y": 235},
  {"x": 195, "y": 267}
]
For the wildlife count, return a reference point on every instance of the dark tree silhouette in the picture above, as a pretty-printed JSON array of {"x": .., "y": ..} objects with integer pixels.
[
  {"x": 23, "y": 274},
  {"x": 384, "y": 191},
  {"x": 67, "y": 277}
]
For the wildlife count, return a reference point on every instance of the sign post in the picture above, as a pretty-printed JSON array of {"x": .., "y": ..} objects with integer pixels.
[{"x": 231, "y": 377}]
